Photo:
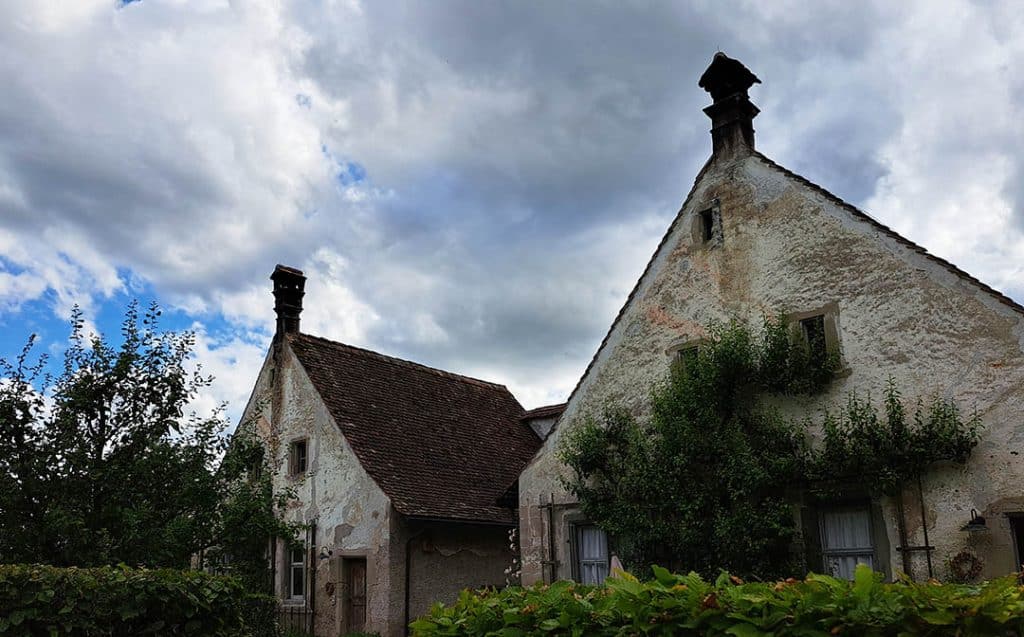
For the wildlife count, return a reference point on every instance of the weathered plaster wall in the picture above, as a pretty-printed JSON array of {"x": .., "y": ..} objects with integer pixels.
[
  {"x": 542, "y": 426},
  {"x": 354, "y": 518},
  {"x": 788, "y": 247},
  {"x": 446, "y": 558},
  {"x": 352, "y": 514}
]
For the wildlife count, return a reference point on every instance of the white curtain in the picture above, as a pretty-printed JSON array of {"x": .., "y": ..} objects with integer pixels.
[
  {"x": 592, "y": 547},
  {"x": 846, "y": 540}
]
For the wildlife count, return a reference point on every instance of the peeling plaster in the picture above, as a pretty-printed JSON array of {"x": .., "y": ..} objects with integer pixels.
[{"x": 788, "y": 247}]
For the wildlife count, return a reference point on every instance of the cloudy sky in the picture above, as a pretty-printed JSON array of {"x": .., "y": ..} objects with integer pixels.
[{"x": 475, "y": 186}]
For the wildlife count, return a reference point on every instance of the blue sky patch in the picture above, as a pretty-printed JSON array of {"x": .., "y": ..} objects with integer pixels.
[{"x": 351, "y": 173}]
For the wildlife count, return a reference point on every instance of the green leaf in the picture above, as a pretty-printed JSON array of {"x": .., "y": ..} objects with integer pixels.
[
  {"x": 863, "y": 580},
  {"x": 550, "y": 624},
  {"x": 745, "y": 630},
  {"x": 663, "y": 575}
]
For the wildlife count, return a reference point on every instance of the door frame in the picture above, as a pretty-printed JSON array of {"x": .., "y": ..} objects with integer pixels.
[{"x": 340, "y": 576}]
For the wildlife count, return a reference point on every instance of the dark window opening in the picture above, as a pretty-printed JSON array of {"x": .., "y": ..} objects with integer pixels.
[
  {"x": 1017, "y": 528},
  {"x": 256, "y": 469},
  {"x": 813, "y": 329},
  {"x": 687, "y": 356},
  {"x": 297, "y": 458},
  {"x": 707, "y": 225}
]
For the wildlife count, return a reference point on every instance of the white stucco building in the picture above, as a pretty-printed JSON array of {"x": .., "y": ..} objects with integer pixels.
[
  {"x": 752, "y": 238},
  {"x": 404, "y": 474}
]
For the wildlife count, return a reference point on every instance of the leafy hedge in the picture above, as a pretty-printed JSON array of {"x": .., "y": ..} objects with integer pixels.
[
  {"x": 687, "y": 605},
  {"x": 44, "y": 600}
]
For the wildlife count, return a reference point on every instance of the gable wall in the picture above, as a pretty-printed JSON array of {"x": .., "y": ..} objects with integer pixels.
[
  {"x": 787, "y": 247},
  {"x": 352, "y": 514}
]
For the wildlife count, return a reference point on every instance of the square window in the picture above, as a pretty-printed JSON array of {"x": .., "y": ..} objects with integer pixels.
[
  {"x": 297, "y": 458},
  {"x": 819, "y": 332},
  {"x": 687, "y": 356}
]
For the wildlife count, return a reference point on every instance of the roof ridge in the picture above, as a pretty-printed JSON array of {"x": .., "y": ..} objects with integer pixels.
[
  {"x": 544, "y": 409},
  {"x": 403, "y": 362},
  {"x": 839, "y": 201}
]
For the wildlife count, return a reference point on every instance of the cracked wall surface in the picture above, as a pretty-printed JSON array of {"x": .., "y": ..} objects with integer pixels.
[
  {"x": 788, "y": 247},
  {"x": 351, "y": 513},
  {"x": 355, "y": 519}
]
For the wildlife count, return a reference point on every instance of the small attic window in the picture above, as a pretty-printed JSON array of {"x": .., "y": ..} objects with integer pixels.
[
  {"x": 707, "y": 226},
  {"x": 819, "y": 330},
  {"x": 687, "y": 356},
  {"x": 813, "y": 329},
  {"x": 683, "y": 354},
  {"x": 297, "y": 458}
]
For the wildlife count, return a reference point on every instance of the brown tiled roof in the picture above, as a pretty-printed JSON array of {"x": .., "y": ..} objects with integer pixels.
[
  {"x": 547, "y": 411},
  {"x": 439, "y": 444}
]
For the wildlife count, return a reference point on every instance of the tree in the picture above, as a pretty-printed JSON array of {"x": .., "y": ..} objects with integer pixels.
[
  {"x": 104, "y": 464},
  {"x": 700, "y": 485},
  {"x": 705, "y": 482}
]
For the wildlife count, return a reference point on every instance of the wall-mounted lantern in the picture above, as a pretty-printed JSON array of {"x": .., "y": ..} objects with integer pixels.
[{"x": 976, "y": 524}]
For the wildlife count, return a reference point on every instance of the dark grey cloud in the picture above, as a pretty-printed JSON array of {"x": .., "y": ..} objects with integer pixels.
[{"x": 521, "y": 159}]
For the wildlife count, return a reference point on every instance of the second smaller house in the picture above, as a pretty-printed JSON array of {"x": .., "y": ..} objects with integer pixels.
[{"x": 401, "y": 471}]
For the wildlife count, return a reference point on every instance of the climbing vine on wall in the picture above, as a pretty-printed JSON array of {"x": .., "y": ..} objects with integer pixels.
[
  {"x": 886, "y": 451},
  {"x": 705, "y": 481}
]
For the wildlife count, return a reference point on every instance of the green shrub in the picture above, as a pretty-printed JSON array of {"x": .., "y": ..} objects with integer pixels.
[
  {"x": 688, "y": 605},
  {"x": 45, "y": 600},
  {"x": 260, "y": 614}
]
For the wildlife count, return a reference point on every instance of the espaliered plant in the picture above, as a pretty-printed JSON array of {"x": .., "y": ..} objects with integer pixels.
[
  {"x": 703, "y": 482},
  {"x": 885, "y": 452}
]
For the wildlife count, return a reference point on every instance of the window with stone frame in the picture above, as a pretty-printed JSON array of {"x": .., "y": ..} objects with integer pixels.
[
  {"x": 707, "y": 226},
  {"x": 298, "y": 457},
  {"x": 819, "y": 330},
  {"x": 687, "y": 356},
  {"x": 813, "y": 330},
  {"x": 684, "y": 352}
]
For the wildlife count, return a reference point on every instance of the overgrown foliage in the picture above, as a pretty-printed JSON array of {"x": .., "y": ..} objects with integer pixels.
[
  {"x": 701, "y": 484},
  {"x": 105, "y": 464},
  {"x": 45, "y": 600},
  {"x": 885, "y": 451},
  {"x": 705, "y": 481},
  {"x": 819, "y": 606}
]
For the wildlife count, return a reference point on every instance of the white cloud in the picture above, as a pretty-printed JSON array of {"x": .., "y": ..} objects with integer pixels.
[
  {"x": 521, "y": 161},
  {"x": 234, "y": 363}
]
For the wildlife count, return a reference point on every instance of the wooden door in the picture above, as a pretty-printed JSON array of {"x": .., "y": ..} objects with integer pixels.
[{"x": 355, "y": 594}]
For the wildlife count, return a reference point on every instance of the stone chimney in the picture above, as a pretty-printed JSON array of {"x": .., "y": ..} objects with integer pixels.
[
  {"x": 732, "y": 115},
  {"x": 289, "y": 286}
]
